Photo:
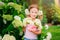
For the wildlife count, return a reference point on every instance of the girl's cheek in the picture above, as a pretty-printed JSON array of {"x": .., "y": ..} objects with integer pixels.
[{"x": 32, "y": 14}]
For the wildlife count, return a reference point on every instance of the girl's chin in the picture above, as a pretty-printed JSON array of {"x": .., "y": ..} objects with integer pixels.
[{"x": 33, "y": 18}]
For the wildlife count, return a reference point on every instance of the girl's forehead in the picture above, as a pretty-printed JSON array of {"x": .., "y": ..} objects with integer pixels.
[{"x": 34, "y": 9}]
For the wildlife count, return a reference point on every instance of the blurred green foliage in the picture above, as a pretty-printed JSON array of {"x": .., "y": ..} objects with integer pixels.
[{"x": 9, "y": 9}]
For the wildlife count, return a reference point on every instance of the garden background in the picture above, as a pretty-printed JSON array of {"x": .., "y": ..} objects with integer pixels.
[{"x": 11, "y": 8}]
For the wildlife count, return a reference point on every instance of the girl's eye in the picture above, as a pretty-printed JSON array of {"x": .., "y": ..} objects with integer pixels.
[
  {"x": 35, "y": 12},
  {"x": 32, "y": 12}
]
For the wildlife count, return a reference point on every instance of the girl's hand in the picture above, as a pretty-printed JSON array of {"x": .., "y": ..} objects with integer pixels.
[
  {"x": 31, "y": 27},
  {"x": 37, "y": 32}
]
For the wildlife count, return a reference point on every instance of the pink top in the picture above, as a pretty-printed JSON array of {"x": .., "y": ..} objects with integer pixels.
[{"x": 28, "y": 34}]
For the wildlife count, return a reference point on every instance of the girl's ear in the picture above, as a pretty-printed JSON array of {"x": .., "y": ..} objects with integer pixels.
[
  {"x": 26, "y": 11},
  {"x": 40, "y": 13}
]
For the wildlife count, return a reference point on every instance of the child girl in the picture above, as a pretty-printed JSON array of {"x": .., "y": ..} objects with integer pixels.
[{"x": 31, "y": 24}]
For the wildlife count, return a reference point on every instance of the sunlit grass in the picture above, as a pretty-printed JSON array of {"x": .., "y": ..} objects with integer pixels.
[{"x": 55, "y": 30}]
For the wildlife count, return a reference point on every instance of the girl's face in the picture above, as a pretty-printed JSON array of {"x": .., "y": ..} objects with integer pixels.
[{"x": 33, "y": 12}]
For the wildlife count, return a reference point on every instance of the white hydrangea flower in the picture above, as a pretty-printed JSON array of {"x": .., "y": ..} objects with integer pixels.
[
  {"x": 4, "y": 21},
  {"x": 17, "y": 23},
  {"x": 16, "y": 6},
  {"x": 40, "y": 27},
  {"x": 44, "y": 39},
  {"x": 49, "y": 36},
  {"x": 21, "y": 33},
  {"x": 12, "y": 38},
  {"x": 38, "y": 23},
  {"x": 40, "y": 12},
  {"x": 2, "y": 4},
  {"x": 30, "y": 22},
  {"x": 0, "y": 37},
  {"x": 46, "y": 26},
  {"x": 27, "y": 21},
  {"x": 7, "y": 17},
  {"x": 8, "y": 37},
  {"x": 17, "y": 18},
  {"x": 10, "y": 3},
  {"x": 26, "y": 11}
]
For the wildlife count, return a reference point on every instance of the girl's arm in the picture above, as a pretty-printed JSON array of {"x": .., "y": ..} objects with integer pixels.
[
  {"x": 24, "y": 29},
  {"x": 24, "y": 24},
  {"x": 37, "y": 32}
]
